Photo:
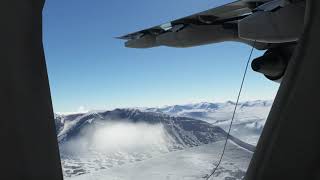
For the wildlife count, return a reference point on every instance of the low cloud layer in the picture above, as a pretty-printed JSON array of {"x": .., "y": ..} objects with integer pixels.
[{"x": 119, "y": 138}]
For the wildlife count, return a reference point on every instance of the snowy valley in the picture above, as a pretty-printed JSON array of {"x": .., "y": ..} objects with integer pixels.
[{"x": 172, "y": 142}]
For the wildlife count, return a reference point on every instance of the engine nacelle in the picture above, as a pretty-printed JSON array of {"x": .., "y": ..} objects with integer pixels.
[{"x": 273, "y": 63}]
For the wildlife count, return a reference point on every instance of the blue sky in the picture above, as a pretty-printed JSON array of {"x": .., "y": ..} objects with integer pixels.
[{"x": 89, "y": 69}]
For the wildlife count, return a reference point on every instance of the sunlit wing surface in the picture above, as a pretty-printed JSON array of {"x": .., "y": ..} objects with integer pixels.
[
  {"x": 218, "y": 24},
  {"x": 218, "y": 15}
]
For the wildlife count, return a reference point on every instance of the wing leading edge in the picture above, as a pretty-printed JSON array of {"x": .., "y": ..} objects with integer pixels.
[{"x": 212, "y": 26}]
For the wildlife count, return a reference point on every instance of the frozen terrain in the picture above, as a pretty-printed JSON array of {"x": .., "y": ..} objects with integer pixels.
[
  {"x": 249, "y": 119},
  {"x": 173, "y": 142},
  {"x": 189, "y": 164}
]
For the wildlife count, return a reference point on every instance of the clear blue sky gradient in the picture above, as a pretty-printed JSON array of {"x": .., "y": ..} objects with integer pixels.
[{"x": 89, "y": 68}]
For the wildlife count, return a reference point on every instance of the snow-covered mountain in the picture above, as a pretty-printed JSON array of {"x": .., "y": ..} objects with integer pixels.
[
  {"x": 100, "y": 142},
  {"x": 185, "y": 131},
  {"x": 111, "y": 138},
  {"x": 217, "y": 113},
  {"x": 249, "y": 119}
]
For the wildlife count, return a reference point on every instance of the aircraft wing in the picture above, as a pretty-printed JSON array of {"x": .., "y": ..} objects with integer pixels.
[
  {"x": 215, "y": 19},
  {"x": 216, "y": 25}
]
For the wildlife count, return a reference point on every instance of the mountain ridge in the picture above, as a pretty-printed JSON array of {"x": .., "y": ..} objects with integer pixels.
[{"x": 153, "y": 130}]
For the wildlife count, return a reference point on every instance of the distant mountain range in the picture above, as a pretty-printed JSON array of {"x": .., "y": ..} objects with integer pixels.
[
  {"x": 186, "y": 132},
  {"x": 121, "y": 136},
  {"x": 249, "y": 119},
  {"x": 218, "y": 112}
]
